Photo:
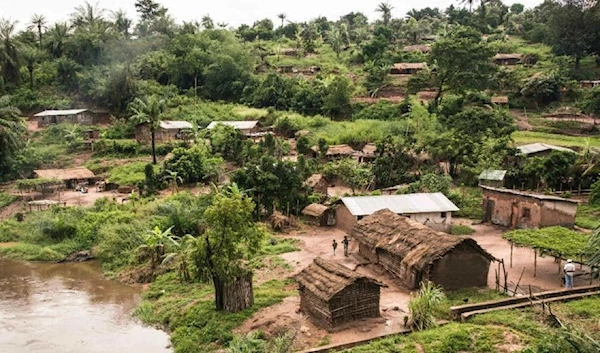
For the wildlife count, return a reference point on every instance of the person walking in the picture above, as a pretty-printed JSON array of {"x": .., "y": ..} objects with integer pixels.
[
  {"x": 335, "y": 244},
  {"x": 569, "y": 271},
  {"x": 346, "y": 241}
]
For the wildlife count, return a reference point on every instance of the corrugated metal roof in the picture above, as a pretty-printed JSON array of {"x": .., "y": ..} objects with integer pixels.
[
  {"x": 492, "y": 175},
  {"x": 240, "y": 125},
  {"x": 60, "y": 112},
  {"x": 175, "y": 125},
  {"x": 526, "y": 194},
  {"x": 400, "y": 204},
  {"x": 540, "y": 147}
]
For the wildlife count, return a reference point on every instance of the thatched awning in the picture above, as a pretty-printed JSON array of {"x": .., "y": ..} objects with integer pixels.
[
  {"x": 409, "y": 66},
  {"x": 341, "y": 150},
  {"x": 65, "y": 174},
  {"x": 313, "y": 180},
  {"x": 369, "y": 150},
  {"x": 325, "y": 278},
  {"x": 314, "y": 210},
  {"x": 416, "y": 244}
]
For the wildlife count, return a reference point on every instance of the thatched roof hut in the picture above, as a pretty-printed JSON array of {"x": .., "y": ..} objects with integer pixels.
[
  {"x": 414, "y": 252},
  {"x": 341, "y": 151},
  {"x": 318, "y": 214},
  {"x": 69, "y": 176},
  {"x": 407, "y": 68},
  {"x": 332, "y": 294},
  {"x": 317, "y": 183}
]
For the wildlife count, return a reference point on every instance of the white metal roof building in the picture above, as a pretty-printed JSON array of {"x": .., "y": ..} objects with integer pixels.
[
  {"x": 400, "y": 204},
  {"x": 534, "y": 148},
  {"x": 239, "y": 125},
  {"x": 175, "y": 125},
  {"x": 60, "y": 112}
]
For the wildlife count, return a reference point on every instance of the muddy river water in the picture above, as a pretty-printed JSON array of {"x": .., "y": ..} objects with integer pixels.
[{"x": 70, "y": 308}]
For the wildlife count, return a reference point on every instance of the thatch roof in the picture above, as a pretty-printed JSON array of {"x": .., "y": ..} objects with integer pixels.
[
  {"x": 416, "y": 244},
  {"x": 409, "y": 66},
  {"x": 325, "y": 278},
  {"x": 313, "y": 180},
  {"x": 314, "y": 210},
  {"x": 344, "y": 150},
  {"x": 423, "y": 48},
  {"x": 65, "y": 174},
  {"x": 502, "y": 56},
  {"x": 369, "y": 150},
  {"x": 500, "y": 100}
]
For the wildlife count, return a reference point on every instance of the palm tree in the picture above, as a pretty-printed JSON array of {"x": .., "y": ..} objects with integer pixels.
[
  {"x": 121, "y": 22},
  {"x": 9, "y": 54},
  {"x": 57, "y": 36},
  {"x": 149, "y": 111},
  {"x": 334, "y": 37},
  {"x": 207, "y": 22},
  {"x": 282, "y": 16},
  {"x": 155, "y": 242},
  {"x": 386, "y": 11},
  {"x": 470, "y": 2},
  {"x": 31, "y": 56},
  {"x": 222, "y": 25},
  {"x": 39, "y": 22},
  {"x": 88, "y": 15},
  {"x": 12, "y": 128}
]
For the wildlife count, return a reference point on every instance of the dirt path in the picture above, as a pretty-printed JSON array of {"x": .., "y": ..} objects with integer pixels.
[{"x": 522, "y": 121}]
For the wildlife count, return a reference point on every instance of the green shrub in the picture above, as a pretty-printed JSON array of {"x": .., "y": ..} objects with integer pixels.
[{"x": 460, "y": 229}]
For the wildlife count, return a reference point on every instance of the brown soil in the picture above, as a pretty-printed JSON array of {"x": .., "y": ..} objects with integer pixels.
[
  {"x": 8, "y": 244},
  {"x": 522, "y": 121}
]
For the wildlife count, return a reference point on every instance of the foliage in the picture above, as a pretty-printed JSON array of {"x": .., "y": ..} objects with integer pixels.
[
  {"x": 424, "y": 304},
  {"x": 128, "y": 175},
  {"x": 6, "y": 199},
  {"x": 193, "y": 164},
  {"x": 459, "y": 229},
  {"x": 554, "y": 241}
]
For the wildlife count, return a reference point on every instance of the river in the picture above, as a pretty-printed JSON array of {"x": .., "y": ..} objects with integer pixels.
[{"x": 70, "y": 308}]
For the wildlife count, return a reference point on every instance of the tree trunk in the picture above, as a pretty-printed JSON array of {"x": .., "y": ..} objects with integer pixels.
[
  {"x": 219, "y": 302},
  {"x": 577, "y": 62},
  {"x": 153, "y": 145},
  {"x": 40, "y": 34},
  {"x": 30, "y": 69}
]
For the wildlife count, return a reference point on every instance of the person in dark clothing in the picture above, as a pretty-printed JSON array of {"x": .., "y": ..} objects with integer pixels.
[
  {"x": 335, "y": 244},
  {"x": 346, "y": 242}
]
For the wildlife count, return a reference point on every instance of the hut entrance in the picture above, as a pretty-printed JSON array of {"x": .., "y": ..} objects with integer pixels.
[{"x": 488, "y": 206}]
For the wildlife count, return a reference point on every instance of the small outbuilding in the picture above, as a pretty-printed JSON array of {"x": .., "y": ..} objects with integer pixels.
[
  {"x": 508, "y": 59},
  {"x": 246, "y": 127},
  {"x": 319, "y": 215},
  {"x": 369, "y": 153},
  {"x": 168, "y": 130},
  {"x": 414, "y": 252},
  {"x": 589, "y": 83},
  {"x": 70, "y": 176},
  {"x": 540, "y": 150},
  {"x": 431, "y": 209},
  {"x": 500, "y": 100},
  {"x": 518, "y": 209},
  {"x": 317, "y": 183},
  {"x": 332, "y": 294},
  {"x": 70, "y": 116},
  {"x": 407, "y": 68},
  {"x": 421, "y": 48},
  {"x": 337, "y": 152},
  {"x": 494, "y": 178}
]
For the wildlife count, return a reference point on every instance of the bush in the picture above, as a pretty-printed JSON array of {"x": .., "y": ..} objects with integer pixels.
[
  {"x": 424, "y": 305},
  {"x": 460, "y": 229},
  {"x": 595, "y": 193},
  {"x": 116, "y": 243}
]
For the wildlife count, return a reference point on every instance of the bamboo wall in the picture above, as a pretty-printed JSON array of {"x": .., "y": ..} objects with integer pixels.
[{"x": 357, "y": 301}]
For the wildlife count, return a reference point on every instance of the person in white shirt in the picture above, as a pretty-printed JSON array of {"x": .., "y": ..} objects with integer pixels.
[{"x": 569, "y": 271}]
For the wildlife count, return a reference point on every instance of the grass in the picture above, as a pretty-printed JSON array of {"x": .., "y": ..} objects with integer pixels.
[
  {"x": 6, "y": 199},
  {"x": 525, "y": 137},
  {"x": 460, "y": 229},
  {"x": 129, "y": 174},
  {"x": 187, "y": 310},
  {"x": 588, "y": 216}
]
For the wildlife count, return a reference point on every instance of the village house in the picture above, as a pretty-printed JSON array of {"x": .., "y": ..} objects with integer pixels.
[
  {"x": 422, "y": 48},
  {"x": 317, "y": 183},
  {"x": 407, "y": 68},
  {"x": 71, "y": 177},
  {"x": 368, "y": 154},
  {"x": 500, "y": 100},
  {"x": 91, "y": 134},
  {"x": 494, "y": 178},
  {"x": 332, "y": 294},
  {"x": 247, "y": 128},
  {"x": 431, "y": 209},
  {"x": 70, "y": 116},
  {"x": 589, "y": 83},
  {"x": 168, "y": 130},
  {"x": 518, "y": 209},
  {"x": 540, "y": 150},
  {"x": 507, "y": 59},
  {"x": 337, "y": 152},
  {"x": 413, "y": 252},
  {"x": 319, "y": 215}
]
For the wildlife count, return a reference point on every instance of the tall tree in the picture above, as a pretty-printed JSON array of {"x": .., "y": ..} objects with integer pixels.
[
  {"x": 121, "y": 22},
  {"x": 207, "y": 22},
  {"x": 149, "y": 9},
  {"x": 231, "y": 237},
  {"x": 335, "y": 39},
  {"x": 9, "y": 55},
  {"x": 39, "y": 22},
  {"x": 282, "y": 16},
  {"x": 149, "y": 110},
  {"x": 88, "y": 15},
  {"x": 12, "y": 131},
  {"x": 31, "y": 56},
  {"x": 571, "y": 29},
  {"x": 386, "y": 12},
  {"x": 56, "y": 39}
]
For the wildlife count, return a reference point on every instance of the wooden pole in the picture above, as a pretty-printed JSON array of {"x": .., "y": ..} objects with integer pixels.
[
  {"x": 534, "y": 262},
  {"x": 518, "y": 282},
  {"x": 511, "y": 253},
  {"x": 559, "y": 268}
]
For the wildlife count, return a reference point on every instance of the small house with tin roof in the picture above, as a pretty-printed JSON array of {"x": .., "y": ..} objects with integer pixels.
[
  {"x": 69, "y": 116},
  {"x": 167, "y": 130},
  {"x": 493, "y": 178}
]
